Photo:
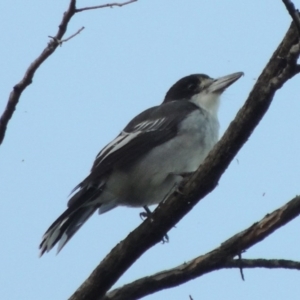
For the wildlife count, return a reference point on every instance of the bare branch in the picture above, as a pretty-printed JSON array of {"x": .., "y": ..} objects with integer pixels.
[
  {"x": 60, "y": 42},
  {"x": 50, "y": 48},
  {"x": 198, "y": 185},
  {"x": 294, "y": 13},
  {"x": 263, "y": 263},
  {"x": 290, "y": 68},
  {"x": 219, "y": 258},
  {"x": 111, "y": 5},
  {"x": 27, "y": 79}
]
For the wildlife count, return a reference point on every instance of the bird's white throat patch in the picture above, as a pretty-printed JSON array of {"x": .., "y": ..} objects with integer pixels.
[{"x": 208, "y": 101}]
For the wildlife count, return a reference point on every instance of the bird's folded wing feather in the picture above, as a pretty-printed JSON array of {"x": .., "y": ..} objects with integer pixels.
[{"x": 149, "y": 129}]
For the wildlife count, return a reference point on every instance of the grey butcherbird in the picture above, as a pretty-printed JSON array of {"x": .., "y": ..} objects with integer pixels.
[{"x": 144, "y": 163}]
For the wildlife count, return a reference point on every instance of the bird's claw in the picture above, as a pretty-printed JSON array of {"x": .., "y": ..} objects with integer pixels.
[
  {"x": 165, "y": 239},
  {"x": 143, "y": 215},
  {"x": 147, "y": 214}
]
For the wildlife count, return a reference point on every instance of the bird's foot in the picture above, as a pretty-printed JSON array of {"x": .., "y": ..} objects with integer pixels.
[
  {"x": 148, "y": 214},
  {"x": 186, "y": 174}
]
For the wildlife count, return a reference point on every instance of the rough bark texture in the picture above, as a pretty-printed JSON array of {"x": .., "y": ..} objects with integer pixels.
[{"x": 219, "y": 258}]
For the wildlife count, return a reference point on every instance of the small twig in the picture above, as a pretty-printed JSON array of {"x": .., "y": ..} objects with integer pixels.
[
  {"x": 294, "y": 13},
  {"x": 60, "y": 42},
  {"x": 71, "y": 36},
  {"x": 241, "y": 265},
  {"x": 111, "y": 5}
]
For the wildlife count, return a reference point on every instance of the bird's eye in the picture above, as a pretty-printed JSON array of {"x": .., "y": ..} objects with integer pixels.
[{"x": 192, "y": 86}]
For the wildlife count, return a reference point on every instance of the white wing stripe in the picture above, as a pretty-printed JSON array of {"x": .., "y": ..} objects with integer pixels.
[
  {"x": 126, "y": 139},
  {"x": 140, "y": 125},
  {"x": 149, "y": 125},
  {"x": 117, "y": 140}
]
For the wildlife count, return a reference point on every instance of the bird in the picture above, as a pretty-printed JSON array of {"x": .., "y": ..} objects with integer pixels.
[{"x": 148, "y": 159}]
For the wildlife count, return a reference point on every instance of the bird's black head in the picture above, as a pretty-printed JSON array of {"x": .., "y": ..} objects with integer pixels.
[
  {"x": 189, "y": 87},
  {"x": 186, "y": 87}
]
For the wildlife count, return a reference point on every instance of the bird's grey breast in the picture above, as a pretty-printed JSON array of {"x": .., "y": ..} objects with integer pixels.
[{"x": 197, "y": 134}]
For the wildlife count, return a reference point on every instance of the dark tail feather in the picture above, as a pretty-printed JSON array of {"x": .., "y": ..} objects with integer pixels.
[{"x": 65, "y": 226}]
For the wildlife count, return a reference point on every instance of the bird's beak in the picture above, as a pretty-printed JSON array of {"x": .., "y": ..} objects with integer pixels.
[{"x": 220, "y": 84}]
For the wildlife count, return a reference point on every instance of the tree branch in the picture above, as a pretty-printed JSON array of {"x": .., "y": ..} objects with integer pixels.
[
  {"x": 50, "y": 48},
  {"x": 219, "y": 258},
  {"x": 294, "y": 13},
  {"x": 263, "y": 263},
  {"x": 111, "y": 5},
  {"x": 199, "y": 184},
  {"x": 27, "y": 79},
  {"x": 60, "y": 42}
]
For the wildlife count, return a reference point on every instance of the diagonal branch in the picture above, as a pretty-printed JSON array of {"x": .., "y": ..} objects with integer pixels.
[
  {"x": 50, "y": 48},
  {"x": 294, "y": 13},
  {"x": 27, "y": 79},
  {"x": 201, "y": 183},
  {"x": 219, "y": 258}
]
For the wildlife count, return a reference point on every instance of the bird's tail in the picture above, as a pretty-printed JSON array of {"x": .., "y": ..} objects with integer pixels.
[{"x": 65, "y": 226}]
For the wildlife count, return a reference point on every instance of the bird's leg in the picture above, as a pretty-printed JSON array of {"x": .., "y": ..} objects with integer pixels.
[
  {"x": 183, "y": 175},
  {"x": 186, "y": 174},
  {"x": 147, "y": 214}
]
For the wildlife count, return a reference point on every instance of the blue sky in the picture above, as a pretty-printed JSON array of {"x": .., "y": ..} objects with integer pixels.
[{"x": 123, "y": 62}]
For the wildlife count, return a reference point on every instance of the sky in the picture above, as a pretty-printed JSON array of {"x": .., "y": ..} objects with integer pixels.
[{"x": 123, "y": 62}]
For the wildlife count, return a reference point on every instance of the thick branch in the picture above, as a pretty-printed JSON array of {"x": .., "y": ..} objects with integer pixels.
[
  {"x": 201, "y": 183},
  {"x": 294, "y": 13},
  {"x": 219, "y": 258}
]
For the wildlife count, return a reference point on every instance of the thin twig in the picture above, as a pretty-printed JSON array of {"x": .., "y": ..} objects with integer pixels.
[
  {"x": 71, "y": 36},
  {"x": 111, "y": 5},
  {"x": 241, "y": 265},
  {"x": 60, "y": 42},
  {"x": 294, "y": 13}
]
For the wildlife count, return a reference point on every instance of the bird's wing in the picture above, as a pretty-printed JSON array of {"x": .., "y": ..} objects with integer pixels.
[{"x": 149, "y": 129}]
